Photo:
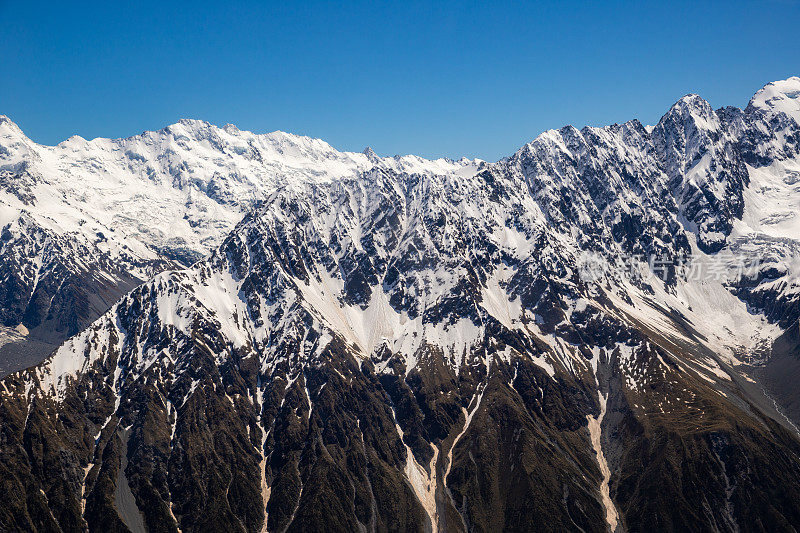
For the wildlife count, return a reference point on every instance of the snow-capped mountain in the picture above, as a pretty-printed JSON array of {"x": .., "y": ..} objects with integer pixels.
[
  {"x": 412, "y": 345},
  {"x": 83, "y": 222}
]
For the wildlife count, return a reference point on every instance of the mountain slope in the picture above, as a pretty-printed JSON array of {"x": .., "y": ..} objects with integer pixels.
[
  {"x": 84, "y": 222},
  {"x": 512, "y": 347}
]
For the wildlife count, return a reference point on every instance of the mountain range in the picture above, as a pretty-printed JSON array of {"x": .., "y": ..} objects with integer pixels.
[
  {"x": 84, "y": 222},
  {"x": 241, "y": 332}
]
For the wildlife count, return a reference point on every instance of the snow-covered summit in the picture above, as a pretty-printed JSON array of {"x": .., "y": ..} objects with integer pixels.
[
  {"x": 182, "y": 186},
  {"x": 781, "y": 96},
  {"x": 116, "y": 209}
]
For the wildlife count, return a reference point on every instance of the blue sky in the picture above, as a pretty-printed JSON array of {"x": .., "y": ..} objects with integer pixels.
[{"x": 474, "y": 79}]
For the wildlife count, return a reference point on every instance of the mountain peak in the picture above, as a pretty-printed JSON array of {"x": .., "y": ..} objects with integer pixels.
[
  {"x": 190, "y": 125},
  {"x": 782, "y": 96},
  {"x": 691, "y": 103},
  {"x": 194, "y": 123},
  {"x": 690, "y": 109},
  {"x": 370, "y": 153},
  {"x": 8, "y": 124}
]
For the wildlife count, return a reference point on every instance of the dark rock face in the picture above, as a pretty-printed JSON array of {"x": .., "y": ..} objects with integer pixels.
[
  {"x": 706, "y": 169},
  {"x": 56, "y": 290},
  {"x": 414, "y": 352}
]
